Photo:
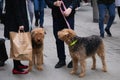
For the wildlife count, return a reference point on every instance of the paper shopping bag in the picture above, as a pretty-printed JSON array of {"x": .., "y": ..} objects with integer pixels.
[{"x": 21, "y": 46}]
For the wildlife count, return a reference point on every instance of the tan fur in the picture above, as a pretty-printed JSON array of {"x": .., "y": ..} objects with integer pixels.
[
  {"x": 37, "y": 36},
  {"x": 80, "y": 55}
]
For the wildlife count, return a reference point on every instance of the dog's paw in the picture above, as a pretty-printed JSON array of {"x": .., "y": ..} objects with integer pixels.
[
  {"x": 30, "y": 69},
  {"x": 72, "y": 72},
  {"x": 104, "y": 70},
  {"x": 93, "y": 68},
  {"x": 82, "y": 75},
  {"x": 40, "y": 68}
]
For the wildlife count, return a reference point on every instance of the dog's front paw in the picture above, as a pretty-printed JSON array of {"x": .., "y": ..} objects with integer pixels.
[
  {"x": 40, "y": 68},
  {"x": 82, "y": 75},
  {"x": 72, "y": 72},
  {"x": 30, "y": 69},
  {"x": 104, "y": 70},
  {"x": 93, "y": 68}
]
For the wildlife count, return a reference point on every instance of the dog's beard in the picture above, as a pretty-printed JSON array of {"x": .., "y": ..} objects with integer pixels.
[{"x": 37, "y": 44}]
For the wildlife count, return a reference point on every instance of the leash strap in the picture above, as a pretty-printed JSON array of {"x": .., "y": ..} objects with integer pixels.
[{"x": 63, "y": 15}]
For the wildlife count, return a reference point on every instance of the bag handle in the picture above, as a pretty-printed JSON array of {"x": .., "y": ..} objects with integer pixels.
[{"x": 21, "y": 29}]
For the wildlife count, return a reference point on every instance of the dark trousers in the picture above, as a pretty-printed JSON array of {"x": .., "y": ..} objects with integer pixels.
[
  {"x": 59, "y": 24},
  {"x": 3, "y": 52},
  {"x": 118, "y": 9}
]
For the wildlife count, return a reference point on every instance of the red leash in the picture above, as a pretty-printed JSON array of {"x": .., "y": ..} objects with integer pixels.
[{"x": 63, "y": 14}]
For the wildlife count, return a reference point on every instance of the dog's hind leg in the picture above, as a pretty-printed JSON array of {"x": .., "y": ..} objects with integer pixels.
[
  {"x": 94, "y": 63},
  {"x": 101, "y": 54}
]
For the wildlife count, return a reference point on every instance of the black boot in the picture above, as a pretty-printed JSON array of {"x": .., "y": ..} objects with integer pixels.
[
  {"x": 36, "y": 22},
  {"x": 60, "y": 64},
  {"x": 2, "y": 63},
  {"x": 108, "y": 32},
  {"x": 102, "y": 35},
  {"x": 70, "y": 65}
]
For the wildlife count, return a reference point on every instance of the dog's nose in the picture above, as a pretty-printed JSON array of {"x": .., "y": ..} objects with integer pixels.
[{"x": 38, "y": 40}]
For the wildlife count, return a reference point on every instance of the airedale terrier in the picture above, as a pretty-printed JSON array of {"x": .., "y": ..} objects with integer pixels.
[
  {"x": 37, "y": 36},
  {"x": 81, "y": 48}
]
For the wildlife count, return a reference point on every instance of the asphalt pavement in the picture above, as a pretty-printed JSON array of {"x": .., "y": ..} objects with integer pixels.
[{"x": 84, "y": 26}]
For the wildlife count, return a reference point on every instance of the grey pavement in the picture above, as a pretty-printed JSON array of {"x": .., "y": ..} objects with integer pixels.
[{"x": 84, "y": 26}]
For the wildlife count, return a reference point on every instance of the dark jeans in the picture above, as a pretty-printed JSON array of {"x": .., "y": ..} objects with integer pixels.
[
  {"x": 102, "y": 11},
  {"x": 39, "y": 10}
]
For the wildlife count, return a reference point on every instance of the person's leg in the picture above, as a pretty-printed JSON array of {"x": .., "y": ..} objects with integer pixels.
[
  {"x": 41, "y": 10},
  {"x": 31, "y": 10},
  {"x": 101, "y": 8},
  {"x": 111, "y": 10},
  {"x": 1, "y": 8},
  {"x": 118, "y": 9},
  {"x": 3, "y": 52},
  {"x": 57, "y": 26},
  {"x": 36, "y": 9},
  {"x": 17, "y": 69}
]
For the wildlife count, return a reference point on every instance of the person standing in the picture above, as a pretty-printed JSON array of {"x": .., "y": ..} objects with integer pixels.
[
  {"x": 104, "y": 5},
  {"x": 117, "y": 3},
  {"x": 59, "y": 24},
  {"x": 16, "y": 17},
  {"x": 39, "y": 12}
]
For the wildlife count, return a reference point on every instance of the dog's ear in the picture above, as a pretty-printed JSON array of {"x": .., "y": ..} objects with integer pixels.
[
  {"x": 71, "y": 32},
  {"x": 44, "y": 31},
  {"x": 32, "y": 32}
]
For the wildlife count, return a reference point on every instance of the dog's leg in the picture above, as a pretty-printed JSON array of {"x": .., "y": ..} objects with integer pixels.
[
  {"x": 94, "y": 63},
  {"x": 39, "y": 61},
  {"x": 83, "y": 67},
  {"x": 42, "y": 58},
  {"x": 75, "y": 66},
  {"x": 101, "y": 54},
  {"x": 104, "y": 69},
  {"x": 30, "y": 65},
  {"x": 31, "y": 62}
]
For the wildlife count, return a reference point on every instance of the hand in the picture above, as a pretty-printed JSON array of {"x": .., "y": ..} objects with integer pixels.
[
  {"x": 21, "y": 27},
  {"x": 58, "y": 3},
  {"x": 67, "y": 12}
]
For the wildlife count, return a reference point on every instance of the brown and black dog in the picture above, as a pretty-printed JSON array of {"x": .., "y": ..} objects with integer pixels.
[{"x": 81, "y": 48}]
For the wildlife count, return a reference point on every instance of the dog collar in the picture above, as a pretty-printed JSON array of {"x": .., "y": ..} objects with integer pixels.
[{"x": 73, "y": 43}]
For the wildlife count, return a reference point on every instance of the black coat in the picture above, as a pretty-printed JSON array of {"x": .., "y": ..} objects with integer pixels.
[
  {"x": 16, "y": 15},
  {"x": 56, "y": 11}
]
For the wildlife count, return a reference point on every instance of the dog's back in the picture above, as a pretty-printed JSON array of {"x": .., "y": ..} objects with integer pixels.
[{"x": 90, "y": 44}]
